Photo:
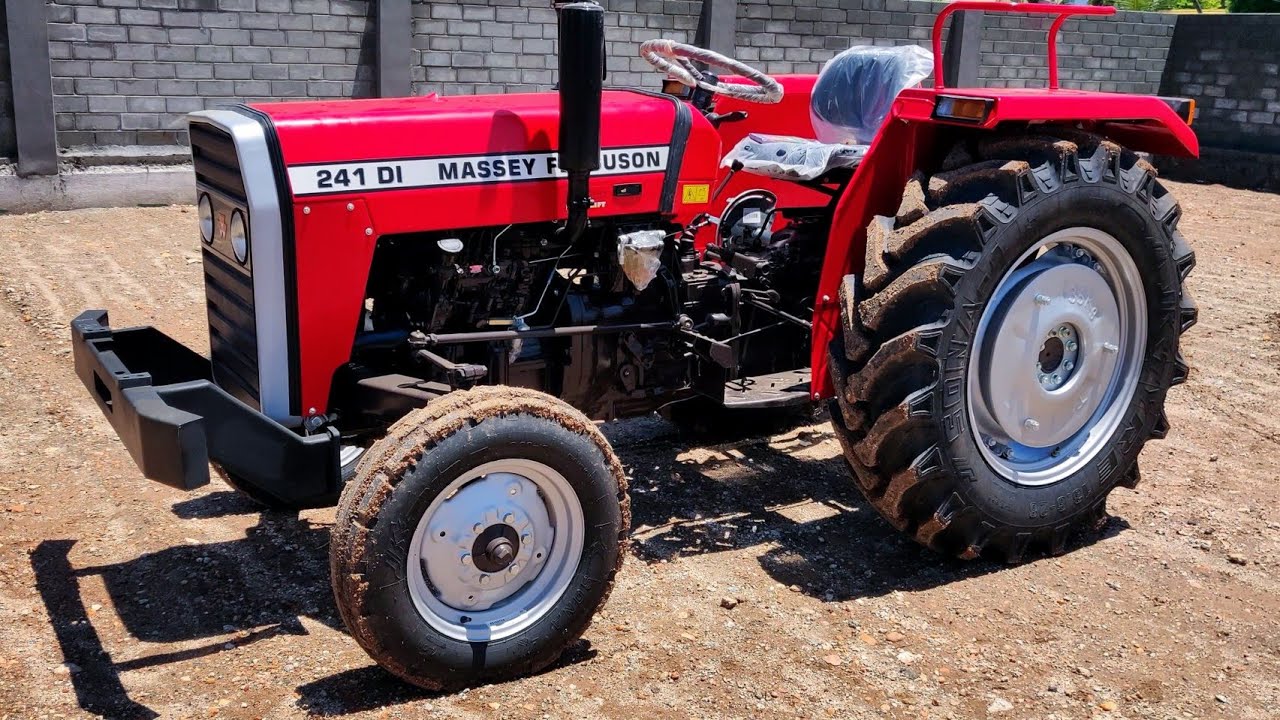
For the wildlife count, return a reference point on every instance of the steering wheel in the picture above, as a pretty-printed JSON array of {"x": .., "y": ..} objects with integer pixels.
[{"x": 676, "y": 60}]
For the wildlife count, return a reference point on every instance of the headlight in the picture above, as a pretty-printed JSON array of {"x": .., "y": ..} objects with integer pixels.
[
  {"x": 239, "y": 237},
  {"x": 205, "y": 209}
]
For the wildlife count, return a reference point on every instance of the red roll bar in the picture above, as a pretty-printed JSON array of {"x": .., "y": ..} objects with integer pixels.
[{"x": 1061, "y": 11}]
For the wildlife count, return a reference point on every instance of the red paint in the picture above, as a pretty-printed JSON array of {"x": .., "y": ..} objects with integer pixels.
[{"x": 334, "y": 251}]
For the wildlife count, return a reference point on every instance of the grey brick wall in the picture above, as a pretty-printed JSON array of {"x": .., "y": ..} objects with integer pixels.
[
  {"x": 479, "y": 46},
  {"x": 125, "y": 71},
  {"x": 1231, "y": 67},
  {"x": 6, "y": 95},
  {"x": 1123, "y": 53}
]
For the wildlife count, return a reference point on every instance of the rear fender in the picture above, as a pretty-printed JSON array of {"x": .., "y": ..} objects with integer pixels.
[{"x": 912, "y": 138}]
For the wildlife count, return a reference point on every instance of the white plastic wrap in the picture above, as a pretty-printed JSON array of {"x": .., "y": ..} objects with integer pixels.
[
  {"x": 792, "y": 158},
  {"x": 640, "y": 255},
  {"x": 856, "y": 88}
]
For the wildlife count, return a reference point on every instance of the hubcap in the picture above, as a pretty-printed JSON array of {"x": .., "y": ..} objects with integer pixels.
[
  {"x": 1057, "y": 355},
  {"x": 495, "y": 550}
]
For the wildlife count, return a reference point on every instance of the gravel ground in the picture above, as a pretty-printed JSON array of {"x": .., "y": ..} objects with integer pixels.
[{"x": 126, "y": 598}]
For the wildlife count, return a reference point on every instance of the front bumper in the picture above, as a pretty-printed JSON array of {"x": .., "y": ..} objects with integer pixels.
[{"x": 161, "y": 399}]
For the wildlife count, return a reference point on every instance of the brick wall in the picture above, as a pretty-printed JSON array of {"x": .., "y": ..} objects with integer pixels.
[
  {"x": 125, "y": 71},
  {"x": 479, "y": 46},
  {"x": 6, "y": 95},
  {"x": 1231, "y": 67}
]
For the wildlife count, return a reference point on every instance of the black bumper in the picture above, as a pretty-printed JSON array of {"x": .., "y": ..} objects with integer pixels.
[{"x": 161, "y": 399}]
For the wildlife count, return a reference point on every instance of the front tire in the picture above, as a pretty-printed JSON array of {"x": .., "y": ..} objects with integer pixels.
[
  {"x": 1007, "y": 351},
  {"x": 479, "y": 537}
]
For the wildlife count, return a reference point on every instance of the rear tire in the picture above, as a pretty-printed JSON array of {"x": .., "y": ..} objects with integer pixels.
[
  {"x": 932, "y": 392},
  {"x": 414, "y": 554}
]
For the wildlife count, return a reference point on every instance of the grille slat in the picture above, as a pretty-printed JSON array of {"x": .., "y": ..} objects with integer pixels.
[{"x": 233, "y": 332}]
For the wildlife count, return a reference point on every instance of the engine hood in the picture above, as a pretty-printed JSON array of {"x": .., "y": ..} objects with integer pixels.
[{"x": 435, "y": 142}]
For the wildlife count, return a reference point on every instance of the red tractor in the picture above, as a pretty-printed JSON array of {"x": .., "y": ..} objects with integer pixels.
[{"x": 418, "y": 307}]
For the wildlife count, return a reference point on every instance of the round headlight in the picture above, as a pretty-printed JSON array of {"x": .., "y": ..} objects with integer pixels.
[
  {"x": 239, "y": 237},
  {"x": 205, "y": 208}
]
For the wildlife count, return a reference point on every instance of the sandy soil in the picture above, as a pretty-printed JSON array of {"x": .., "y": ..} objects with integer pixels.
[{"x": 128, "y": 599}]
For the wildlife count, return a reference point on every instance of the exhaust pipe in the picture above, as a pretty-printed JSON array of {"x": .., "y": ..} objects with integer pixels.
[{"x": 581, "y": 84}]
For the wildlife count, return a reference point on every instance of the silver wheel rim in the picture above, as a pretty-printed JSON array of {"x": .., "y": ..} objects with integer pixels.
[
  {"x": 462, "y": 580},
  {"x": 1057, "y": 356}
]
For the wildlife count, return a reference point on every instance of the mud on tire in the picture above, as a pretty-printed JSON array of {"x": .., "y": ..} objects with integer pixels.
[
  {"x": 908, "y": 325},
  {"x": 407, "y": 473}
]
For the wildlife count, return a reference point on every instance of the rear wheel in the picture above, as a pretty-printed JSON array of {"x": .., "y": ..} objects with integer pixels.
[
  {"x": 479, "y": 537},
  {"x": 1007, "y": 351}
]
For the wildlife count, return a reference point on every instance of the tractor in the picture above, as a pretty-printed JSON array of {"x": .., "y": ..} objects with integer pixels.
[{"x": 419, "y": 308}]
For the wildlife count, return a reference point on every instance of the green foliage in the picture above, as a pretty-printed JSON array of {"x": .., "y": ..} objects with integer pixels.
[{"x": 1253, "y": 6}]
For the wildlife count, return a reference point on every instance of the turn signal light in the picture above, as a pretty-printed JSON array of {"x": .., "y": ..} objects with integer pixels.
[
  {"x": 963, "y": 109},
  {"x": 1185, "y": 107}
]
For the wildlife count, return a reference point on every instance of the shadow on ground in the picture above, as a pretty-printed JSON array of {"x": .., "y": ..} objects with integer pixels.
[{"x": 686, "y": 500}]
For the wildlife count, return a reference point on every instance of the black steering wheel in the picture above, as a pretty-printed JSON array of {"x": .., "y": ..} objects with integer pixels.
[{"x": 676, "y": 60}]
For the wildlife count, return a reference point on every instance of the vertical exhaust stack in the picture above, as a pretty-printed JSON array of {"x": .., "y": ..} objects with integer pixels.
[{"x": 581, "y": 84}]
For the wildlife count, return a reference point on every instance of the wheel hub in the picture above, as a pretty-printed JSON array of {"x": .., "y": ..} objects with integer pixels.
[
  {"x": 486, "y": 541},
  {"x": 1056, "y": 355}
]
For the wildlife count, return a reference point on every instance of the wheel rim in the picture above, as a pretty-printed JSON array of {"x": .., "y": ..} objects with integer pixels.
[
  {"x": 1057, "y": 356},
  {"x": 495, "y": 550}
]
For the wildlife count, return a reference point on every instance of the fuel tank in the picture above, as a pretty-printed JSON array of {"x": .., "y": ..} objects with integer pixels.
[{"x": 428, "y": 163}]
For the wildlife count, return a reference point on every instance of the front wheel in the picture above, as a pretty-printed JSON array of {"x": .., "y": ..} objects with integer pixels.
[
  {"x": 479, "y": 537},
  {"x": 1007, "y": 351}
]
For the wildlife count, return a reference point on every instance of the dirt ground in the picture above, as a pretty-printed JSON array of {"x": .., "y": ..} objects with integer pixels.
[{"x": 125, "y": 598}]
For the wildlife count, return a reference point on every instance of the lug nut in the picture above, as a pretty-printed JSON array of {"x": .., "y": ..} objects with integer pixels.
[
  {"x": 484, "y": 579},
  {"x": 1068, "y": 366},
  {"x": 466, "y": 558},
  {"x": 508, "y": 518},
  {"x": 514, "y": 489},
  {"x": 1110, "y": 347},
  {"x": 513, "y": 568},
  {"x": 1030, "y": 424},
  {"x": 1071, "y": 345},
  {"x": 1057, "y": 378},
  {"x": 477, "y": 528},
  {"x": 1043, "y": 300}
]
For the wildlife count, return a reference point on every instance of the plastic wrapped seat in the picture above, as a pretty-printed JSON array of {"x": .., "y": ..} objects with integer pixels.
[{"x": 850, "y": 100}]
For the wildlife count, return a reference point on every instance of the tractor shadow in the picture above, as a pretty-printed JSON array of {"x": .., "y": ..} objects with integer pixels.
[{"x": 788, "y": 490}]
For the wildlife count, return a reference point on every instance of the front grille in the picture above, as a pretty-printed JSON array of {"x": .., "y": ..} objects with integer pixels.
[{"x": 233, "y": 332}]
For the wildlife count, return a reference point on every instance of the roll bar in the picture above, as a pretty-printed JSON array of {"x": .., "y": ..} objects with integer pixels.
[{"x": 1061, "y": 11}]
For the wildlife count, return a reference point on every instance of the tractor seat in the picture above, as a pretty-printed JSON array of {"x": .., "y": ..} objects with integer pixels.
[{"x": 849, "y": 102}]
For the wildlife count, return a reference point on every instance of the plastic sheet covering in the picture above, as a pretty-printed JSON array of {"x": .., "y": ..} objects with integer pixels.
[
  {"x": 792, "y": 158},
  {"x": 640, "y": 255},
  {"x": 856, "y": 88}
]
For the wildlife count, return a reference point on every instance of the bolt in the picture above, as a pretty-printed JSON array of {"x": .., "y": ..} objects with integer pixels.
[
  {"x": 826, "y": 298},
  {"x": 484, "y": 579},
  {"x": 351, "y": 206},
  {"x": 1043, "y": 300},
  {"x": 513, "y": 568},
  {"x": 991, "y": 442},
  {"x": 1068, "y": 366},
  {"x": 477, "y": 528},
  {"x": 1078, "y": 252},
  {"x": 1071, "y": 345},
  {"x": 514, "y": 489},
  {"x": 368, "y": 231},
  {"x": 1065, "y": 331},
  {"x": 465, "y": 559},
  {"x": 508, "y": 518},
  {"x": 1110, "y": 347},
  {"x": 1030, "y": 424},
  {"x": 306, "y": 209},
  {"x": 526, "y": 538},
  {"x": 1057, "y": 378}
]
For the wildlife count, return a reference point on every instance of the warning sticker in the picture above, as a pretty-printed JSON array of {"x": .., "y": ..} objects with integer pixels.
[{"x": 696, "y": 194}]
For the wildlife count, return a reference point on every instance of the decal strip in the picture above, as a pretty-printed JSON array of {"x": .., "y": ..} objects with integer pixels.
[{"x": 463, "y": 170}]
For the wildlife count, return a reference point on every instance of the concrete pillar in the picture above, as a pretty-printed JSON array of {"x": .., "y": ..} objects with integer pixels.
[
  {"x": 962, "y": 54},
  {"x": 717, "y": 27},
  {"x": 395, "y": 48},
  {"x": 37, "y": 137}
]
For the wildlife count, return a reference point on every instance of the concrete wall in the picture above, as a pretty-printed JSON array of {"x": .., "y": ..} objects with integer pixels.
[
  {"x": 125, "y": 71},
  {"x": 1231, "y": 66},
  {"x": 468, "y": 46},
  {"x": 7, "y": 149}
]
